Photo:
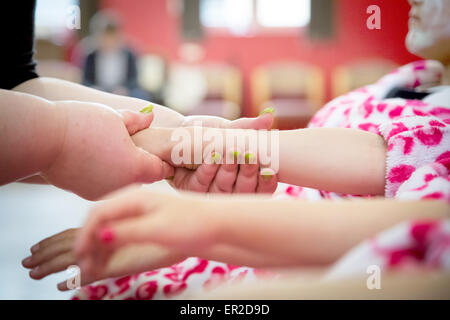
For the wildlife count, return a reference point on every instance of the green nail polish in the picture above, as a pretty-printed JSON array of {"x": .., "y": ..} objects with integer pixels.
[
  {"x": 215, "y": 157},
  {"x": 147, "y": 109},
  {"x": 267, "y": 110},
  {"x": 235, "y": 155},
  {"x": 266, "y": 174},
  {"x": 249, "y": 157}
]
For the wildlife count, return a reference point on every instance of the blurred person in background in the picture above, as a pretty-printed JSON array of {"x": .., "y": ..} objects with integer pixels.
[{"x": 111, "y": 66}]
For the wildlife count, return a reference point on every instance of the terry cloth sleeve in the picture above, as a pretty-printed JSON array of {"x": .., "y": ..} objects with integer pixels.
[{"x": 418, "y": 158}]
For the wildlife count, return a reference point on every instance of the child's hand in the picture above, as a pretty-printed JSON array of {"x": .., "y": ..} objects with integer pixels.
[
  {"x": 139, "y": 216},
  {"x": 52, "y": 255},
  {"x": 231, "y": 175},
  {"x": 55, "y": 254},
  {"x": 227, "y": 178},
  {"x": 96, "y": 154}
]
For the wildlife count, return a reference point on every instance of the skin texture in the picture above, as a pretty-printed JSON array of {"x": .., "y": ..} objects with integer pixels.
[
  {"x": 272, "y": 229},
  {"x": 409, "y": 285},
  {"x": 55, "y": 254},
  {"x": 359, "y": 145},
  {"x": 417, "y": 43},
  {"x": 346, "y": 160},
  {"x": 153, "y": 230},
  {"x": 429, "y": 29},
  {"x": 90, "y": 155},
  {"x": 226, "y": 178},
  {"x": 206, "y": 178}
]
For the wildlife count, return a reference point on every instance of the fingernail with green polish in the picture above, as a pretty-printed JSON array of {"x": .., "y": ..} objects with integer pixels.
[
  {"x": 267, "y": 174},
  {"x": 147, "y": 109},
  {"x": 215, "y": 157},
  {"x": 234, "y": 155},
  {"x": 249, "y": 157},
  {"x": 270, "y": 110}
]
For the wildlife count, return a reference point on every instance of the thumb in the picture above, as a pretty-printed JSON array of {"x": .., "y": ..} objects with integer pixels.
[
  {"x": 136, "y": 121},
  {"x": 151, "y": 168},
  {"x": 263, "y": 121}
]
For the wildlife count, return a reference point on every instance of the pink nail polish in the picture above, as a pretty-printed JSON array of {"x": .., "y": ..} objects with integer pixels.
[{"x": 107, "y": 235}]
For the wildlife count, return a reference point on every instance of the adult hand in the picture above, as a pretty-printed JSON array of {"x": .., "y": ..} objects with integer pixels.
[{"x": 96, "y": 154}]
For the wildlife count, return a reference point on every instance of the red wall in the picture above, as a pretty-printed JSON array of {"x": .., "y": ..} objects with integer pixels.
[{"x": 152, "y": 28}]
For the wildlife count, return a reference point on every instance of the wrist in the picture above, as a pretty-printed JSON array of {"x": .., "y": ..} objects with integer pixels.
[
  {"x": 207, "y": 216},
  {"x": 213, "y": 213}
]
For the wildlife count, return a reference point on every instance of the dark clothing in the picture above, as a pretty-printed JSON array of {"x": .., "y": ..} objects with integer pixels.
[
  {"x": 17, "y": 35},
  {"x": 406, "y": 94},
  {"x": 89, "y": 71}
]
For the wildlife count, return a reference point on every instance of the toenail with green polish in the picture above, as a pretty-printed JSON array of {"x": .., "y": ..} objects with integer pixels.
[
  {"x": 270, "y": 110},
  {"x": 147, "y": 109},
  {"x": 249, "y": 157}
]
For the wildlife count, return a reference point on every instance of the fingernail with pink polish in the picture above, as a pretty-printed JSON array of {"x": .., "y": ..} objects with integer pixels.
[{"x": 106, "y": 235}]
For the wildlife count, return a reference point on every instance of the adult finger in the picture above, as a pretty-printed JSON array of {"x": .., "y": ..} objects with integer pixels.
[
  {"x": 136, "y": 121},
  {"x": 150, "y": 168}
]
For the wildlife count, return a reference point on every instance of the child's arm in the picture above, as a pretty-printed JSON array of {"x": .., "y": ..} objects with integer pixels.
[
  {"x": 333, "y": 159},
  {"x": 313, "y": 233},
  {"x": 296, "y": 232},
  {"x": 55, "y": 254},
  {"x": 418, "y": 284}
]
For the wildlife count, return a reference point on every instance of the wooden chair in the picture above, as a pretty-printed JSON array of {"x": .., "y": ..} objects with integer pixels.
[
  {"x": 218, "y": 89},
  {"x": 360, "y": 73},
  {"x": 296, "y": 91}
]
